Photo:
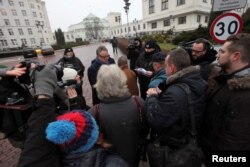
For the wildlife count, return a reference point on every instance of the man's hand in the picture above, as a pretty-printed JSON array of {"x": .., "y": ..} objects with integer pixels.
[
  {"x": 17, "y": 71},
  {"x": 71, "y": 92},
  {"x": 153, "y": 91}
]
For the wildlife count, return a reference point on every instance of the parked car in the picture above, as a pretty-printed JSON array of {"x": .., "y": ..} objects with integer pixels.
[
  {"x": 47, "y": 50},
  {"x": 29, "y": 52}
]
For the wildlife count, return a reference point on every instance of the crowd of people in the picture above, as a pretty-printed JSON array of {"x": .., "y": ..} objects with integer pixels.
[{"x": 181, "y": 97}]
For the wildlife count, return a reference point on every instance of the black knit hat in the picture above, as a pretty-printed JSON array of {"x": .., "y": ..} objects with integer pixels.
[{"x": 150, "y": 44}]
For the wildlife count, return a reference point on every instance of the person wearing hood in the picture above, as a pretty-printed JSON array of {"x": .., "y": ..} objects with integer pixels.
[
  {"x": 203, "y": 55},
  {"x": 69, "y": 60},
  {"x": 102, "y": 57},
  {"x": 145, "y": 62},
  {"x": 134, "y": 51}
]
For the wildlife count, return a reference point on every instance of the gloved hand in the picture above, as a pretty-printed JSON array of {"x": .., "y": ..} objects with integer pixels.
[{"x": 45, "y": 81}]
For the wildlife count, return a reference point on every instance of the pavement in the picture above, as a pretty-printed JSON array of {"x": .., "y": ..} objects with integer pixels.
[{"x": 9, "y": 155}]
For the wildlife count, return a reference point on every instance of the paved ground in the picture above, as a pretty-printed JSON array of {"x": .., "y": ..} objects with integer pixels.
[{"x": 9, "y": 155}]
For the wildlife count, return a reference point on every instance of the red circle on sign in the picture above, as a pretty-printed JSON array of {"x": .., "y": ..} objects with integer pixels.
[{"x": 237, "y": 16}]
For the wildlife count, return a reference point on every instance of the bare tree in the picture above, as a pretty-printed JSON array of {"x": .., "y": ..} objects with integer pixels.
[{"x": 94, "y": 28}]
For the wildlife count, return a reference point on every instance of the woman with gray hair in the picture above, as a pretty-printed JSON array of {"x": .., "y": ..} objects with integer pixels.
[{"x": 119, "y": 114}]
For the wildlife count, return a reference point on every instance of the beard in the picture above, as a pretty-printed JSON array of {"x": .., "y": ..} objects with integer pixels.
[{"x": 225, "y": 66}]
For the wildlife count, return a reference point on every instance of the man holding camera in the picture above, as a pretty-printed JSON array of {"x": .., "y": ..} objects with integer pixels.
[
  {"x": 203, "y": 55},
  {"x": 37, "y": 150}
]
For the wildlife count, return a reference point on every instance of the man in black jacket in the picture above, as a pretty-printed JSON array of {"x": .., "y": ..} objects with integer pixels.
[
  {"x": 37, "y": 150},
  {"x": 167, "y": 107}
]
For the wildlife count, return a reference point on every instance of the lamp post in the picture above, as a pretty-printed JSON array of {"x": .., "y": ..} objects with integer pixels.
[
  {"x": 40, "y": 24},
  {"x": 126, "y": 7}
]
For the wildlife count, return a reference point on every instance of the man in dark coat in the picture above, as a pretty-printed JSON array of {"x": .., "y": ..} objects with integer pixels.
[
  {"x": 145, "y": 61},
  {"x": 38, "y": 151},
  {"x": 134, "y": 51},
  {"x": 227, "y": 120},
  {"x": 101, "y": 58},
  {"x": 167, "y": 107},
  {"x": 203, "y": 55}
]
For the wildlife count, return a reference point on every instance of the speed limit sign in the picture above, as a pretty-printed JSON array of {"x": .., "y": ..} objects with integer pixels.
[{"x": 225, "y": 25}]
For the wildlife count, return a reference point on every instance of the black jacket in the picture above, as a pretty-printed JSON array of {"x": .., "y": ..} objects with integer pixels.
[
  {"x": 168, "y": 113},
  {"x": 38, "y": 151},
  {"x": 74, "y": 63},
  {"x": 133, "y": 54},
  {"x": 227, "y": 120}
]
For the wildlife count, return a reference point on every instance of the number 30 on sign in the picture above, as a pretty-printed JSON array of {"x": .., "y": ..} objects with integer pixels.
[{"x": 225, "y": 25}]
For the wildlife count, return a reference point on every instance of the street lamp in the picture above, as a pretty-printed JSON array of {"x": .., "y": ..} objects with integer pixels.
[
  {"x": 126, "y": 7},
  {"x": 40, "y": 24}
]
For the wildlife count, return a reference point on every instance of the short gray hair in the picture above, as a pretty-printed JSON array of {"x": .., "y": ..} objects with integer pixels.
[
  {"x": 179, "y": 58},
  {"x": 101, "y": 48},
  {"x": 111, "y": 82}
]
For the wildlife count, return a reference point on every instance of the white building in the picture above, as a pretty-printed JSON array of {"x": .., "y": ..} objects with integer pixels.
[
  {"x": 78, "y": 30},
  {"x": 24, "y": 22}
]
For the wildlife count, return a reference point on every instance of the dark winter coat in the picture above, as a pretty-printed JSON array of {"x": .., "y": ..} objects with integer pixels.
[
  {"x": 92, "y": 76},
  {"x": 145, "y": 61},
  {"x": 227, "y": 119},
  {"x": 158, "y": 78},
  {"x": 74, "y": 63},
  {"x": 38, "y": 151},
  {"x": 133, "y": 54},
  {"x": 168, "y": 113},
  {"x": 119, "y": 122}
]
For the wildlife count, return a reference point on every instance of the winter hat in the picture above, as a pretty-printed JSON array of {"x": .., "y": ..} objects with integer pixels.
[
  {"x": 158, "y": 57},
  {"x": 150, "y": 44},
  {"x": 74, "y": 132},
  {"x": 68, "y": 50},
  {"x": 69, "y": 74}
]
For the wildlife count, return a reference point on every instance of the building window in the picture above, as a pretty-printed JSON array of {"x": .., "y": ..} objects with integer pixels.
[
  {"x": 144, "y": 26},
  {"x": 24, "y": 13},
  {"x": 32, "y": 6},
  {"x": 21, "y": 3},
  {"x": 24, "y": 41},
  {"x": 3, "y": 12},
  {"x": 14, "y": 41},
  {"x": 7, "y": 22},
  {"x": 180, "y": 2},
  {"x": 129, "y": 29},
  {"x": 38, "y": 7},
  {"x": 1, "y": 32},
  {"x": 14, "y": 13},
  {"x": 1, "y": 2},
  {"x": 139, "y": 27},
  {"x": 27, "y": 22},
  {"x": 198, "y": 18},
  {"x": 17, "y": 21},
  {"x": 154, "y": 25},
  {"x": 121, "y": 30},
  {"x": 166, "y": 22},
  {"x": 4, "y": 42},
  {"x": 32, "y": 40},
  {"x": 164, "y": 4},
  {"x": 41, "y": 15},
  {"x": 205, "y": 1},
  {"x": 206, "y": 19},
  {"x": 182, "y": 20},
  {"x": 30, "y": 31},
  {"x": 151, "y": 6},
  {"x": 125, "y": 30},
  {"x": 10, "y": 31},
  {"x": 11, "y": 3},
  {"x": 34, "y": 14},
  {"x": 20, "y": 31}
]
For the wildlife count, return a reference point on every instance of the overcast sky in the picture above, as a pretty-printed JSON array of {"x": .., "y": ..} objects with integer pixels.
[{"x": 63, "y": 13}]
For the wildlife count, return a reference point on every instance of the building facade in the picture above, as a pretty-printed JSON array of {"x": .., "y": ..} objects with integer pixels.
[{"x": 24, "y": 23}]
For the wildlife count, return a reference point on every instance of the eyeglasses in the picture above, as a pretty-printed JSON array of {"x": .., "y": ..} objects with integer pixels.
[
  {"x": 104, "y": 56},
  {"x": 197, "y": 51}
]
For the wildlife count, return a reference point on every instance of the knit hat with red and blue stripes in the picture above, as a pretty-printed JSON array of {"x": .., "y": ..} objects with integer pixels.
[{"x": 74, "y": 132}]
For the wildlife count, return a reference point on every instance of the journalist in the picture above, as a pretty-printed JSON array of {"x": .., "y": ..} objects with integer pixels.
[{"x": 37, "y": 150}]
